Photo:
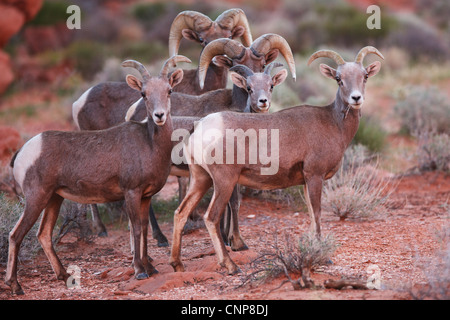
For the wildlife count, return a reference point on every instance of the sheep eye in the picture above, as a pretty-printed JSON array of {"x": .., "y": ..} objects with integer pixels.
[
  {"x": 366, "y": 76},
  {"x": 143, "y": 94},
  {"x": 169, "y": 92},
  {"x": 249, "y": 89},
  {"x": 271, "y": 87},
  {"x": 338, "y": 79}
]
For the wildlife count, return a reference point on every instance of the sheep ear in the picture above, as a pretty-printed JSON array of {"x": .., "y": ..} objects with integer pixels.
[
  {"x": 272, "y": 55},
  {"x": 279, "y": 77},
  {"x": 327, "y": 71},
  {"x": 190, "y": 35},
  {"x": 237, "y": 32},
  {"x": 239, "y": 80},
  {"x": 222, "y": 61},
  {"x": 373, "y": 68},
  {"x": 176, "y": 77},
  {"x": 134, "y": 82}
]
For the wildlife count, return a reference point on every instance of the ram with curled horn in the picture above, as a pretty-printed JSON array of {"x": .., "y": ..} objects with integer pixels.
[
  {"x": 260, "y": 53},
  {"x": 310, "y": 141},
  {"x": 128, "y": 162}
]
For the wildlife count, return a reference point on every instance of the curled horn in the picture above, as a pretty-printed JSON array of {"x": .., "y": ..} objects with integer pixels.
[
  {"x": 269, "y": 41},
  {"x": 192, "y": 20},
  {"x": 272, "y": 65},
  {"x": 366, "y": 50},
  {"x": 326, "y": 54},
  {"x": 171, "y": 63},
  {"x": 242, "y": 70},
  {"x": 217, "y": 47},
  {"x": 139, "y": 67},
  {"x": 233, "y": 18}
]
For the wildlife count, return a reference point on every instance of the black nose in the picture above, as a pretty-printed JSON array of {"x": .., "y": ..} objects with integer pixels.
[
  {"x": 263, "y": 100},
  {"x": 356, "y": 98},
  {"x": 159, "y": 115}
]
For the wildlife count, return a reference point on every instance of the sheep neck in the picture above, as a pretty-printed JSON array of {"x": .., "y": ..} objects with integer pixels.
[
  {"x": 346, "y": 118},
  {"x": 239, "y": 98}
]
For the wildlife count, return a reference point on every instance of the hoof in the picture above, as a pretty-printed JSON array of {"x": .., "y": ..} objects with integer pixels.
[
  {"x": 177, "y": 267},
  {"x": 16, "y": 289},
  {"x": 103, "y": 234},
  {"x": 161, "y": 239},
  {"x": 151, "y": 270},
  {"x": 163, "y": 243},
  {"x": 240, "y": 248},
  {"x": 142, "y": 276}
]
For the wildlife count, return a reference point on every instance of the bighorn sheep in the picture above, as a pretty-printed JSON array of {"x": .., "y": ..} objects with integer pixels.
[
  {"x": 307, "y": 141},
  {"x": 99, "y": 115},
  {"x": 128, "y": 162},
  {"x": 258, "y": 88},
  {"x": 110, "y": 98}
]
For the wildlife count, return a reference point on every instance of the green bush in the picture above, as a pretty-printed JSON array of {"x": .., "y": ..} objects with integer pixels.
[
  {"x": 10, "y": 212},
  {"x": 433, "y": 152},
  {"x": 51, "y": 12},
  {"x": 370, "y": 134},
  {"x": 87, "y": 56},
  {"x": 356, "y": 190},
  {"x": 423, "y": 109}
]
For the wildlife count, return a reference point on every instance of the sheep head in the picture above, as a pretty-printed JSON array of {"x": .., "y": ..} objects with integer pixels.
[
  {"x": 156, "y": 90},
  {"x": 351, "y": 77}
]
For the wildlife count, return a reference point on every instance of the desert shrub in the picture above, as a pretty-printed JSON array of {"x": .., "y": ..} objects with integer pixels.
[
  {"x": 293, "y": 257},
  {"x": 436, "y": 11},
  {"x": 339, "y": 23},
  {"x": 433, "y": 152},
  {"x": 436, "y": 268},
  {"x": 10, "y": 212},
  {"x": 73, "y": 218},
  {"x": 51, "y": 12},
  {"x": 88, "y": 57},
  {"x": 356, "y": 190},
  {"x": 370, "y": 134},
  {"x": 421, "y": 109},
  {"x": 418, "y": 39}
]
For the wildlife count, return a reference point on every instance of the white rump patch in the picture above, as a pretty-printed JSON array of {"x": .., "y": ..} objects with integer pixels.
[
  {"x": 27, "y": 156},
  {"x": 132, "y": 110},
  {"x": 78, "y": 105}
]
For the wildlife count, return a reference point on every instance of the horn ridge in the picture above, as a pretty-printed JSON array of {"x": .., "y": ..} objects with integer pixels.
[
  {"x": 326, "y": 54},
  {"x": 236, "y": 17},
  {"x": 231, "y": 48},
  {"x": 268, "y": 41},
  {"x": 139, "y": 67},
  {"x": 365, "y": 51},
  {"x": 243, "y": 70},
  {"x": 192, "y": 20},
  {"x": 172, "y": 63}
]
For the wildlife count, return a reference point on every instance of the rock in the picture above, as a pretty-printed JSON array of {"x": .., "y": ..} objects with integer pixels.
[
  {"x": 10, "y": 142},
  {"x": 13, "y": 15},
  {"x": 11, "y": 20},
  {"x": 7, "y": 75}
]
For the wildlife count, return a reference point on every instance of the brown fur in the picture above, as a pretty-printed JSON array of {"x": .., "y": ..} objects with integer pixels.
[{"x": 312, "y": 141}]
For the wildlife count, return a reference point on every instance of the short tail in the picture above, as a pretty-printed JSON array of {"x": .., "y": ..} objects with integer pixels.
[{"x": 11, "y": 164}]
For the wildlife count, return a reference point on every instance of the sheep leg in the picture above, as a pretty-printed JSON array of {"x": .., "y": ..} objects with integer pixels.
[
  {"x": 313, "y": 195},
  {"x": 45, "y": 236},
  {"x": 144, "y": 217},
  {"x": 234, "y": 236},
  {"x": 133, "y": 208},
  {"x": 156, "y": 231},
  {"x": 33, "y": 208},
  {"x": 222, "y": 193},
  {"x": 98, "y": 224},
  {"x": 200, "y": 183}
]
